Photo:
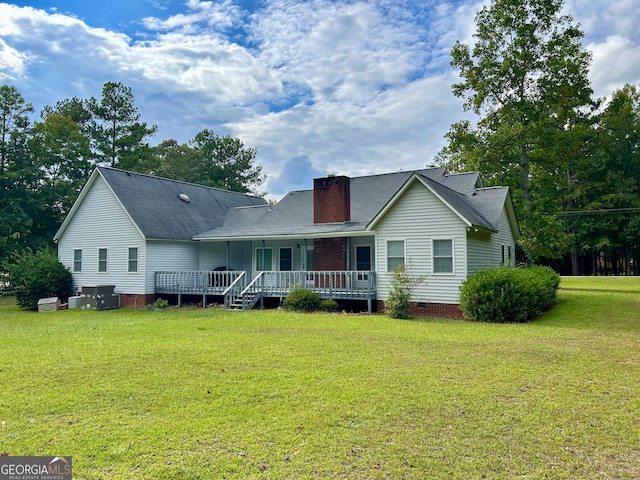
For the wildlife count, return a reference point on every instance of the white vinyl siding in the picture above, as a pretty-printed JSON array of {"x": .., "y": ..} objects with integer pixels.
[
  {"x": 166, "y": 255},
  {"x": 419, "y": 217},
  {"x": 101, "y": 222},
  {"x": 485, "y": 248}
]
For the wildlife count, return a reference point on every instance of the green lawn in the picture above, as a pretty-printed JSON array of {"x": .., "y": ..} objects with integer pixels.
[{"x": 202, "y": 394}]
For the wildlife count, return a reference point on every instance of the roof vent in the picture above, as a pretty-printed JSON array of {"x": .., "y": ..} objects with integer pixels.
[{"x": 184, "y": 197}]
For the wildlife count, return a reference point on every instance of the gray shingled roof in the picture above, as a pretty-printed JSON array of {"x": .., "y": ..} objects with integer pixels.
[
  {"x": 293, "y": 215},
  {"x": 155, "y": 206}
]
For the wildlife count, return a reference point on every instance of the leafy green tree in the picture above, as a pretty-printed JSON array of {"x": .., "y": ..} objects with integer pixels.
[
  {"x": 19, "y": 178},
  {"x": 39, "y": 275},
  {"x": 63, "y": 154},
  {"x": 228, "y": 163},
  {"x": 179, "y": 162},
  {"x": 526, "y": 77},
  {"x": 208, "y": 159},
  {"x": 119, "y": 139},
  {"x": 610, "y": 183}
]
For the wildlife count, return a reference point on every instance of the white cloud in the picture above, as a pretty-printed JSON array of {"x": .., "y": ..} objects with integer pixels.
[
  {"x": 350, "y": 87},
  {"x": 217, "y": 16},
  {"x": 616, "y": 61}
]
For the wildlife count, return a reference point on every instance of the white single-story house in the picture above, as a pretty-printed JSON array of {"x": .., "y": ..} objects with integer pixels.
[{"x": 151, "y": 236}]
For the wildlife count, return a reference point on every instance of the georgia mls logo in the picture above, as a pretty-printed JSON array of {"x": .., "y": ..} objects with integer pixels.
[{"x": 35, "y": 468}]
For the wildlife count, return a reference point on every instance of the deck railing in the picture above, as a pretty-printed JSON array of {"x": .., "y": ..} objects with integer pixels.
[
  {"x": 210, "y": 282},
  {"x": 238, "y": 291}
]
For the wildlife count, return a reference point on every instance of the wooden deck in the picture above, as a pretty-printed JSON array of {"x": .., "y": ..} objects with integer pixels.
[{"x": 240, "y": 291}]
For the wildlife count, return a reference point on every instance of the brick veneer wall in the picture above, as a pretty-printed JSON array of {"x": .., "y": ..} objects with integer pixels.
[
  {"x": 136, "y": 300},
  {"x": 331, "y": 199},
  {"x": 330, "y": 253},
  {"x": 433, "y": 310}
]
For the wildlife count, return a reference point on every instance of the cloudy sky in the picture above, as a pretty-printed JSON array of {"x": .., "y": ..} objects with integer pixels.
[{"x": 317, "y": 86}]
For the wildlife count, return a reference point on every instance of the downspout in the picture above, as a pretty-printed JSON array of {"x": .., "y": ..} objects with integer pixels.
[
  {"x": 264, "y": 268},
  {"x": 228, "y": 246}
]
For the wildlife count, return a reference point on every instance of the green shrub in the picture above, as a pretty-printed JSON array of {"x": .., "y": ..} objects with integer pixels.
[
  {"x": 301, "y": 300},
  {"x": 398, "y": 300},
  {"x": 40, "y": 275},
  {"x": 507, "y": 294},
  {"x": 329, "y": 305},
  {"x": 160, "y": 303}
]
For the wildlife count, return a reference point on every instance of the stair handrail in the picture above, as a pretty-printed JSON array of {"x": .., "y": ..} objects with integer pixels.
[
  {"x": 234, "y": 287},
  {"x": 251, "y": 288}
]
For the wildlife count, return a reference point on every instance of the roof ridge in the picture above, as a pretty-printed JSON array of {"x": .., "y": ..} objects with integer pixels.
[{"x": 157, "y": 177}]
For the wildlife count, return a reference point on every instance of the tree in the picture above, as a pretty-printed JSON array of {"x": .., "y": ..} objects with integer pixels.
[
  {"x": 118, "y": 137},
  {"x": 39, "y": 275},
  {"x": 228, "y": 163},
  {"x": 609, "y": 179},
  {"x": 208, "y": 159},
  {"x": 18, "y": 176},
  {"x": 526, "y": 77},
  {"x": 63, "y": 154}
]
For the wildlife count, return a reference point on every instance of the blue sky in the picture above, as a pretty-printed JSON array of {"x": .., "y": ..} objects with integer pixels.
[{"x": 317, "y": 86}]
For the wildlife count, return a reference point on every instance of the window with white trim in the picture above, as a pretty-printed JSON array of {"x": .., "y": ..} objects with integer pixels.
[
  {"x": 442, "y": 256},
  {"x": 395, "y": 254},
  {"x": 102, "y": 260},
  {"x": 77, "y": 260},
  {"x": 133, "y": 260}
]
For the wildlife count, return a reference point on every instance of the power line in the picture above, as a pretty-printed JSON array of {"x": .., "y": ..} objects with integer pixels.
[{"x": 601, "y": 211}]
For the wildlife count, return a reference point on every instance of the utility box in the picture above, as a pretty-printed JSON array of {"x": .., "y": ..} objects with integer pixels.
[
  {"x": 49, "y": 304},
  {"x": 75, "y": 302},
  {"x": 99, "y": 297}
]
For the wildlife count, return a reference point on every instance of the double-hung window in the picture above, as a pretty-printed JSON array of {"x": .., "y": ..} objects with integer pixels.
[
  {"x": 102, "y": 260},
  {"x": 395, "y": 254},
  {"x": 443, "y": 256},
  {"x": 133, "y": 260},
  {"x": 77, "y": 260}
]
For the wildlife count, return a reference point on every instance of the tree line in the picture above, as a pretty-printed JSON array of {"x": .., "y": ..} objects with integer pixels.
[
  {"x": 45, "y": 163},
  {"x": 572, "y": 161}
]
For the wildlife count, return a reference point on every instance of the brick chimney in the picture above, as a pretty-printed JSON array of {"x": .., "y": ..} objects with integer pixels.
[{"x": 331, "y": 199}]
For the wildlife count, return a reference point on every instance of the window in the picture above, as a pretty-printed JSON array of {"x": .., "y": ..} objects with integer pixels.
[
  {"x": 264, "y": 262},
  {"x": 102, "y": 260},
  {"x": 395, "y": 254},
  {"x": 443, "y": 256},
  {"x": 285, "y": 259},
  {"x": 133, "y": 260},
  {"x": 77, "y": 260}
]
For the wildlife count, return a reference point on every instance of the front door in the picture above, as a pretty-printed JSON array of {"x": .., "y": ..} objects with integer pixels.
[{"x": 363, "y": 264}]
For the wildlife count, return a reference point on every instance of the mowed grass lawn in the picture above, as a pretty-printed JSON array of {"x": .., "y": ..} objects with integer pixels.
[{"x": 206, "y": 394}]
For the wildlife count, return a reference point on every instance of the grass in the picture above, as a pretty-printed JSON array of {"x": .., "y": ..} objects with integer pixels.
[{"x": 199, "y": 394}]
